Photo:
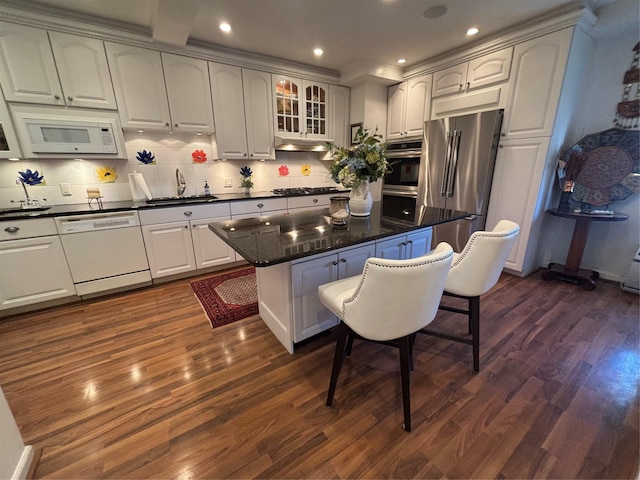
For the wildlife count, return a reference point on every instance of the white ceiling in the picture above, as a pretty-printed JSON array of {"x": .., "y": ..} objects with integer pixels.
[{"x": 348, "y": 31}]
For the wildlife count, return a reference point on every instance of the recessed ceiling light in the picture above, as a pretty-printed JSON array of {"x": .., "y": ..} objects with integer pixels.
[
  {"x": 402, "y": 60},
  {"x": 435, "y": 12},
  {"x": 225, "y": 27},
  {"x": 317, "y": 52},
  {"x": 472, "y": 31}
]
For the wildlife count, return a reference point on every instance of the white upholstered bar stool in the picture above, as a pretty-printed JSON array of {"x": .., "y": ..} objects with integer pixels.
[
  {"x": 388, "y": 304},
  {"x": 475, "y": 271}
]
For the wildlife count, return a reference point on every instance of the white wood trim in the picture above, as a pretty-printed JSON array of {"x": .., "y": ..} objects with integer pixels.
[
  {"x": 23, "y": 466},
  {"x": 49, "y": 18},
  {"x": 552, "y": 22}
]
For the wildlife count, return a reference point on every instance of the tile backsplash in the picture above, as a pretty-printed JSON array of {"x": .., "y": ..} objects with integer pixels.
[{"x": 170, "y": 152}]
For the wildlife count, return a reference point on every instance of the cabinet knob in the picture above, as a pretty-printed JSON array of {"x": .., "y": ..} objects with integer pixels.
[
  {"x": 315, "y": 200},
  {"x": 188, "y": 213},
  {"x": 460, "y": 86},
  {"x": 334, "y": 263},
  {"x": 175, "y": 125},
  {"x": 166, "y": 124},
  {"x": 410, "y": 242},
  {"x": 503, "y": 134},
  {"x": 11, "y": 229},
  {"x": 251, "y": 154},
  {"x": 260, "y": 205},
  {"x": 500, "y": 146},
  {"x": 468, "y": 85},
  {"x": 343, "y": 260},
  {"x": 57, "y": 97},
  {"x": 70, "y": 98}
]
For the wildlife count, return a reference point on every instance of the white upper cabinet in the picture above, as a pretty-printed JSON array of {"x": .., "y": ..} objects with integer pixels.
[
  {"x": 28, "y": 72},
  {"x": 300, "y": 108},
  {"x": 138, "y": 81},
  {"x": 538, "y": 72},
  {"x": 144, "y": 103},
  {"x": 242, "y": 102},
  {"x": 479, "y": 72},
  {"x": 408, "y": 107},
  {"x": 187, "y": 81},
  {"x": 339, "y": 115},
  {"x": 83, "y": 71},
  {"x": 258, "y": 114},
  {"x": 71, "y": 70},
  {"x": 228, "y": 103}
]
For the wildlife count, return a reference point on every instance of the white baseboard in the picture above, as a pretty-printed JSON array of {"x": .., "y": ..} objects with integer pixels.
[{"x": 22, "y": 469}]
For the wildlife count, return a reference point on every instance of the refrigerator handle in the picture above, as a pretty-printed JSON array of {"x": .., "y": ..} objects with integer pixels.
[
  {"x": 454, "y": 162},
  {"x": 447, "y": 164}
]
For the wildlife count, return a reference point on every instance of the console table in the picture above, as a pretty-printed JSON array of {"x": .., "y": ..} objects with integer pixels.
[{"x": 571, "y": 270}]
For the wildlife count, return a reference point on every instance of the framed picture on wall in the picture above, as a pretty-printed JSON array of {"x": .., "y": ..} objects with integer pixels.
[{"x": 354, "y": 131}]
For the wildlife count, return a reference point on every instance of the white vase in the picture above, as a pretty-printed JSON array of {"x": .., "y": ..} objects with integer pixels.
[{"x": 361, "y": 201}]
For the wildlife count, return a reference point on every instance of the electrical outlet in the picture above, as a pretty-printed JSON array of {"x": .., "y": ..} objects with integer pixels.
[
  {"x": 65, "y": 188},
  {"x": 228, "y": 183}
]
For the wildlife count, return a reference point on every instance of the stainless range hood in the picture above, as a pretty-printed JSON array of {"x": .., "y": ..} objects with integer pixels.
[{"x": 300, "y": 144}]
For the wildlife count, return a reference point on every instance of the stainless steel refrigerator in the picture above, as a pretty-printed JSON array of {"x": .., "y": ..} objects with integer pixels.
[{"x": 460, "y": 154}]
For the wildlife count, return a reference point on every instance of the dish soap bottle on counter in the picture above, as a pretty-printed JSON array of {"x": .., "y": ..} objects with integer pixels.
[{"x": 207, "y": 190}]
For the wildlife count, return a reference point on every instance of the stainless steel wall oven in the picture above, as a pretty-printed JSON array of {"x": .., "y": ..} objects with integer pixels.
[{"x": 403, "y": 181}]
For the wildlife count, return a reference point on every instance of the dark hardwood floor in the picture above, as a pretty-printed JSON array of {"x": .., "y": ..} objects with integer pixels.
[{"x": 139, "y": 386}]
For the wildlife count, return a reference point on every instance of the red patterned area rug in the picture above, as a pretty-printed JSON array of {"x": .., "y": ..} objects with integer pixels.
[{"x": 228, "y": 297}]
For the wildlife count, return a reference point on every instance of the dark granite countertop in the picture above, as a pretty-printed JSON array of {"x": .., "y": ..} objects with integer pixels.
[
  {"x": 269, "y": 240},
  {"x": 86, "y": 208}
]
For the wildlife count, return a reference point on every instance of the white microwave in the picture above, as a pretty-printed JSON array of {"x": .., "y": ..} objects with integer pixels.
[{"x": 68, "y": 133}]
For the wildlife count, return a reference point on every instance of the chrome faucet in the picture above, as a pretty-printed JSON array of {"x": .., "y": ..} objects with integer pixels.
[
  {"x": 29, "y": 203},
  {"x": 182, "y": 186}
]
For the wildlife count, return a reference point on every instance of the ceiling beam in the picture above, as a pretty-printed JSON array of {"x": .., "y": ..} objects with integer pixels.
[{"x": 173, "y": 20}]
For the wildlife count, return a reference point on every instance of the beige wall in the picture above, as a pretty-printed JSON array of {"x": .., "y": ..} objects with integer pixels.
[{"x": 611, "y": 245}]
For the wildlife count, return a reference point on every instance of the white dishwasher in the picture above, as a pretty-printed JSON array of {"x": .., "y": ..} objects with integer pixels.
[{"x": 105, "y": 251}]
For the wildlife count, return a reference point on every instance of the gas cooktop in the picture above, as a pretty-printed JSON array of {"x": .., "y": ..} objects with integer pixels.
[{"x": 304, "y": 190}]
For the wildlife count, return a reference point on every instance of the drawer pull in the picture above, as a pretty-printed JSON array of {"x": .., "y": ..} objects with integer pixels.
[
  {"x": 11, "y": 229},
  {"x": 260, "y": 205},
  {"x": 343, "y": 260},
  {"x": 334, "y": 263},
  {"x": 188, "y": 213}
]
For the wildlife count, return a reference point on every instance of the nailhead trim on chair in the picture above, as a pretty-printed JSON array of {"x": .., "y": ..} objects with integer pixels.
[
  {"x": 413, "y": 265},
  {"x": 483, "y": 235}
]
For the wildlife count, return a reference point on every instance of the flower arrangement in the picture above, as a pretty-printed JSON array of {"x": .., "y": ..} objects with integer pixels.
[
  {"x": 365, "y": 159},
  {"x": 246, "y": 181}
]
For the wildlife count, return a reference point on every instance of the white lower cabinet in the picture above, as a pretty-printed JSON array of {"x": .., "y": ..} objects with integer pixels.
[
  {"x": 310, "y": 316},
  {"x": 308, "y": 202},
  {"x": 288, "y": 292},
  {"x": 518, "y": 200},
  {"x": 175, "y": 247},
  {"x": 169, "y": 248},
  {"x": 38, "y": 267},
  {"x": 209, "y": 249},
  {"x": 259, "y": 206},
  {"x": 402, "y": 247}
]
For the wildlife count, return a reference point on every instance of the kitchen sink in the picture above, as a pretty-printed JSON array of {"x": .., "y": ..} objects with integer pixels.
[
  {"x": 182, "y": 200},
  {"x": 26, "y": 211}
]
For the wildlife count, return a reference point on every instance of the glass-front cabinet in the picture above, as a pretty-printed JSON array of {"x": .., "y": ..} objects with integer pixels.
[{"x": 301, "y": 107}]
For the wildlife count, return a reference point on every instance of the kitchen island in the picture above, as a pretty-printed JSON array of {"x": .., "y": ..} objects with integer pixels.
[{"x": 295, "y": 253}]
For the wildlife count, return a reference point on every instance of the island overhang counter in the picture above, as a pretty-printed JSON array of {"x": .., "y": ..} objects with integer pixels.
[{"x": 295, "y": 253}]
